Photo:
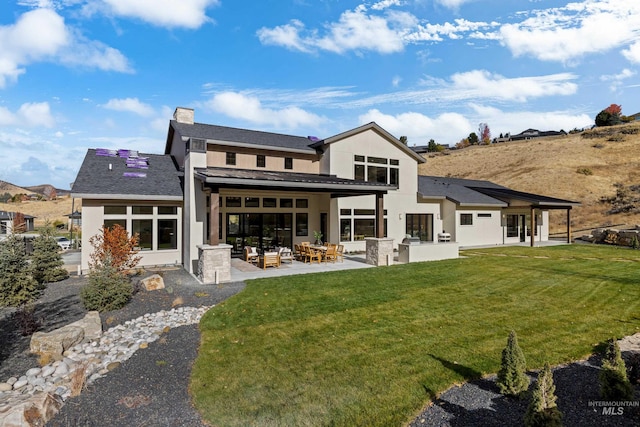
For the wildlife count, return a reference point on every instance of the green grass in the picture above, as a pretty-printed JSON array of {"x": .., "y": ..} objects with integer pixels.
[{"x": 372, "y": 347}]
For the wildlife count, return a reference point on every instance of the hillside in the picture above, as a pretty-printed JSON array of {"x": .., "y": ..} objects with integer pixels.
[
  {"x": 581, "y": 167},
  {"x": 43, "y": 210}
]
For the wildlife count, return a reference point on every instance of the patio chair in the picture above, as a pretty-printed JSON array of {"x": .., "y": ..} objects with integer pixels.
[
  {"x": 305, "y": 243},
  {"x": 330, "y": 253},
  {"x": 285, "y": 254},
  {"x": 251, "y": 254},
  {"x": 310, "y": 254},
  {"x": 340, "y": 253},
  {"x": 270, "y": 259}
]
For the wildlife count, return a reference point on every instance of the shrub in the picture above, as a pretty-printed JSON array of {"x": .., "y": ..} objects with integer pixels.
[
  {"x": 584, "y": 171},
  {"x": 17, "y": 286},
  {"x": 542, "y": 410},
  {"x": 512, "y": 379},
  {"x": 614, "y": 384},
  {"x": 115, "y": 247},
  {"x": 46, "y": 261},
  {"x": 107, "y": 289}
]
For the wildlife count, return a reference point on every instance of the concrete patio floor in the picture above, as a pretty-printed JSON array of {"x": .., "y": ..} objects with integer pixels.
[{"x": 242, "y": 270}]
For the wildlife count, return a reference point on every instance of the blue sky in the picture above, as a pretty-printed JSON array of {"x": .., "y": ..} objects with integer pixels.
[{"x": 79, "y": 74}]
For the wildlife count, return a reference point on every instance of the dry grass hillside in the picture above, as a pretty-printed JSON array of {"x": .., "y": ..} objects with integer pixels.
[
  {"x": 51, "y": 210},
  {"x": 582, "y": 167}
]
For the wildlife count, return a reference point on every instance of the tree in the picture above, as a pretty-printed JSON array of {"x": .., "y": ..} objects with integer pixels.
[
  {"x": 46, "y": 261},
  {"x": 512, "y": 378},
  {"x": 17, "y": 287},
  {"x": 404, "y": 140},
  {"x": 609, "y": 116},
  {"x": 542, "y": 410},
  {"x": 113, "y": 245},
  {"x": 473, "y": 138},
  {"x": 614, "y": 383},
  {"x": 485, "y": 133},
  {"x": 432, "y": 147}
]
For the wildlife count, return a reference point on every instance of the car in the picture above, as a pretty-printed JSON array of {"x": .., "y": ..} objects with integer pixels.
[{"x": 63, "y": 242}]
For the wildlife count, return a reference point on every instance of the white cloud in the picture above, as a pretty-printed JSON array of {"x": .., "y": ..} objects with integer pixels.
[
  {"x": 633, "y": 53},
  {"x": 451, "y": 4},
  {"x": 479, "y": 82},
  {"x": 445, "y": 129},
  {"x": 355, "y": 30},
  {"x": 42, "y": 35},
  {"x": 567, "y": 33},
  {"x": 164, "y": 13},
  {"x": 514, "y": 122},
  {"x": 248, "y": 108},
  {"x": 132, "y": 105},
  {"x": 617, "y": 80},
  {"x": 30, "y": 114}
]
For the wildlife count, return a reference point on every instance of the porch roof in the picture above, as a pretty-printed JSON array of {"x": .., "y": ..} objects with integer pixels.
[
  {"x": 469, "y": 192},
  {"x": 288, "y": 181}
]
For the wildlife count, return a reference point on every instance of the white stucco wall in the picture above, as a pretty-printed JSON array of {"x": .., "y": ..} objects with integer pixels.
[{"x": 93, "y": 218}]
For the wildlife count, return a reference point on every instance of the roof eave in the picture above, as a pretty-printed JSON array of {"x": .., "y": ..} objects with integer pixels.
[{"x": 145, "y": 197}]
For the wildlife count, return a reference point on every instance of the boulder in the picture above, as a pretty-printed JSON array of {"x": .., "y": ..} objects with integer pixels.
[
  {"x": 34, "y": 411},
  {"x": 152, "y": 283},
  {"x": 54, "y": 343},
  {"x": 91, "y": 324}
]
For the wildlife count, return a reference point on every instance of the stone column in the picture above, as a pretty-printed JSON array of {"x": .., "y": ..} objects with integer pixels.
[
  {"x": 379, "y": 251},
  {"x": 214, "y": 263}
]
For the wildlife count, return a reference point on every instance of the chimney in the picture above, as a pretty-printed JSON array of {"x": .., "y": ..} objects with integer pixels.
[{"x": 183, "y": 115}]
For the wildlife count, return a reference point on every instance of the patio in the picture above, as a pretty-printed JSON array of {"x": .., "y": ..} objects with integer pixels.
[{"x": 242, "y": 270}]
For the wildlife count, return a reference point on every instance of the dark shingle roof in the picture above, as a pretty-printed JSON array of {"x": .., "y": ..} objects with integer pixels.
[
  {"x": 243, "y": 136},
  {"x": 6, "y": 215},
  {"x": 472, "y": 192},
  {"x": 96, "y": 181}
]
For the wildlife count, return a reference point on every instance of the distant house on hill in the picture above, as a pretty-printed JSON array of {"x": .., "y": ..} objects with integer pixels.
[
  {"x": 535, "y": 133},
  {"x": 634, "y": 117},
  {"x": 8, "y": 219}
]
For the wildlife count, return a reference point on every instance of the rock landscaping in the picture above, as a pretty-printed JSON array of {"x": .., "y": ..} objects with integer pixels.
[{"x": 35, "y": 397}]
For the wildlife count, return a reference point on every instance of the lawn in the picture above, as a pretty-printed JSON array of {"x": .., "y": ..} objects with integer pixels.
[{"x": 372, "y": 347}]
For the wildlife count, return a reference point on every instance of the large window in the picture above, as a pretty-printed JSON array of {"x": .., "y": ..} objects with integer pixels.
[
  {"x": 156, "y": 226},
  {"x": 359, "y": 225},
  {"x": 512, "y": 226},
  {"x": 376, "y": 169},
  {"x": 466, "y": 219},
  {"x": 420, "y": 225},
  {"x": 302, "y": 224},
  {"x": 144, "y": 229}
]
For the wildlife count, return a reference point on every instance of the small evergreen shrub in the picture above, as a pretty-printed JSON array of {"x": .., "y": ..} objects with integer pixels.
[
  {"x": 46, "y": 261},
  {"x": 512, "y": 379},
  {"x": 107, "y": 289},
  {"x": 614, "y": 384},
  {"x": 17, "y": 286},
  {"x": 542, "y": 410}
]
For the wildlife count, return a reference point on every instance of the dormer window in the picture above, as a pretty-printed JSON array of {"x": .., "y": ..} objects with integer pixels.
[{"x": 231, "y": 159}]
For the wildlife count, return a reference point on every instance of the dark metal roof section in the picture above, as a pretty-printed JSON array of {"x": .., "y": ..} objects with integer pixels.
[
  {"x": 266, "y": 180},
  {"x": 109, "y": 177},
  {"x": 453, "y": 189},
  {"x": 469, "y": 192},
  {"x": 235, "y": 136}
]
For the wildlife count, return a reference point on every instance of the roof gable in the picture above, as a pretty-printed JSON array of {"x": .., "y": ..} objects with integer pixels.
[{"x": 380, "y": 131}]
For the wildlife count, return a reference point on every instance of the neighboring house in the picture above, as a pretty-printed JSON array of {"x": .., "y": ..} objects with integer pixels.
[
  {"x": 220, "y": 185},
  {"x": 535, "y": 133},
  {"x": 7, "y": 222}
]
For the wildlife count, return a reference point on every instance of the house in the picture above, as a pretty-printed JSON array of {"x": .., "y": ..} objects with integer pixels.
[
  {"x": 8, "y": 223},
  {"x": 535, "y": 133},
  {"x": 218, "y": 189}
]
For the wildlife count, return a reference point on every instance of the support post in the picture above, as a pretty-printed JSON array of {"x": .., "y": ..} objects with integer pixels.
[
  {"x": 214, "y": 214},
  {"x": 569, "y": 225},
  {"x": 532, "y": 226},
  {"x": 379, "y": 215}
]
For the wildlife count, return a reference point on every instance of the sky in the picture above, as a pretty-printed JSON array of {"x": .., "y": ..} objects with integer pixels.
[{"x": 80, "y": 74}]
